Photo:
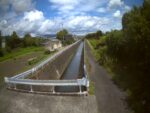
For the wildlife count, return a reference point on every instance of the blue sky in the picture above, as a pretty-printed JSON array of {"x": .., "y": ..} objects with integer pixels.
[{"x": 40, "y": 17}]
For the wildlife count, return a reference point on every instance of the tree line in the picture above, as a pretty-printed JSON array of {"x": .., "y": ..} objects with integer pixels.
[
  {"x": 95, "y": 35},
  {"x": 127, "y": 53},
  {"x": 14, "y": 41}
]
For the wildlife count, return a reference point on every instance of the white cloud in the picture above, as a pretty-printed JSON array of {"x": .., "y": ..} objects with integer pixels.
[
  {"x": 33, "y": 15},
  {"x": 16, "y": 5},
  {"x": 68, "y": 7},
  {"x": 13, "y": 8},
  {"x": 64, "y": 5},
  {"x": 86, "y": 22},
  {"x": 117, "y": 14},
  {"x": 115, "y": 3},
  {"x": 34, "y": 22},
  {"x": 64, "y": 2},
  {"x": 22, "y": 5}
]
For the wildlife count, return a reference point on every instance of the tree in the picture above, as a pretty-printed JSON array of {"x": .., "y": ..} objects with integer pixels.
[
  {"x": 95, "y": 35},
  {"x": 28, "y": 41},
  {"x": 98, "y": 34},
  {"x": 0, "y": 39},
  {"x": 61, "y": 34},
  {"x": 14, "y": 41}
]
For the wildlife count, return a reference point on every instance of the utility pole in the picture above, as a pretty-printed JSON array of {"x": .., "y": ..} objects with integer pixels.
[{"x": 62, "y": 32}]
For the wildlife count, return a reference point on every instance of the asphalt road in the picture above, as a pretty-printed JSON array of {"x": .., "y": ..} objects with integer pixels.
[{"x": 110, "y": 99}]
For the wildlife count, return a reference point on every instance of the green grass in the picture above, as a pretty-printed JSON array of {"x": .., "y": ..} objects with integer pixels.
[
  {"x": 91, "y": 88},
  {"x": 96, "y": 52},
  {"x": 20, "y": 52},
  {"x": 39, "y": 59},
  {"x": 92, "y": 43},
  {"x": 36, "y": 60},
  {"x": 88, "y": 66}
]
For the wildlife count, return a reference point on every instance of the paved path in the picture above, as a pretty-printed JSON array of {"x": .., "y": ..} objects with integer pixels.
[{"x": 109, "y": 97}]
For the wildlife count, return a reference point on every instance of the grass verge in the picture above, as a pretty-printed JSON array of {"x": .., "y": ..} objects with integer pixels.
[
  {"x": 20, "y": 52},
  {"x": 88, "y": 67},
  {"x": 91, "y": 44}
]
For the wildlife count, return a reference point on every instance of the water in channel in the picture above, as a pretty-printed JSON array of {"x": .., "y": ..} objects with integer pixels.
[{"x": 72, "y": 71}]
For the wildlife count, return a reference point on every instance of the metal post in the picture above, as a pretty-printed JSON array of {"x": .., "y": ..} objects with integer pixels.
[
  {"x": 53, "y": 89},
  {"x": 31, "y": 89},
  {"x": 9, "y": 86},
  {"x": 15, "y": 86},
  {"x": 80, "y": 89}
]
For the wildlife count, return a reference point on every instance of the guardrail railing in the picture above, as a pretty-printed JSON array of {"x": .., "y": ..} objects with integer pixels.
[{"x": 30, "y": 82}]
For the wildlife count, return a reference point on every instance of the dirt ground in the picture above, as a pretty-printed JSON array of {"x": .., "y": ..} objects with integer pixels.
[{"x": 12, "y": 67}]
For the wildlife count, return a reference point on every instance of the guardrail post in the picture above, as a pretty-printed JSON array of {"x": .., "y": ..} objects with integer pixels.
[
  {"x": 9, "y": 86},
  {"x": 15, "y": 86},
  {"x": 80, "y": 89},
  {"x": 53, "y": 89},
  {"x": 31, "y": 89}
]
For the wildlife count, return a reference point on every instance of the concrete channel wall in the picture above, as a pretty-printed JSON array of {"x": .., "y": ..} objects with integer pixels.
[
  {"x": 55, "y": 68},
  {"x": 81, "y": 70}
]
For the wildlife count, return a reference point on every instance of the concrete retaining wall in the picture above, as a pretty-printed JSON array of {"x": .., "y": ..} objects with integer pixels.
[
  {"x": 81, "y": 71},
  {"x": 56, "y": 67}
]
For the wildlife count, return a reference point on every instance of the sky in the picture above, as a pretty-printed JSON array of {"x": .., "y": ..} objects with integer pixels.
[{"x": 40, "y": 17}]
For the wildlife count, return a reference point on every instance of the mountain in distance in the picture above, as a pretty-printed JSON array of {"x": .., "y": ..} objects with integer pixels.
[{"x": 48, "y": 36}]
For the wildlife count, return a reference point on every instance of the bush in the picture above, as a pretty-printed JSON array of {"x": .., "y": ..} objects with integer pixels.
[
  {"x": 47, "y": 52},
  {"x": 2, "y": 52},
  {"x": 32, "y": 61},
  {"x": 8, "y": 49}
]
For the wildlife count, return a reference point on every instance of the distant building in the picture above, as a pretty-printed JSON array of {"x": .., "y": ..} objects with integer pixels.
[
  {"x": 52, "y": 44},
  {"x": 3, "y": 43}
]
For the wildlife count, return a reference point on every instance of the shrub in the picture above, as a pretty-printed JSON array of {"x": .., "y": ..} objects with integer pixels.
[{"x": 47, "y": 52}]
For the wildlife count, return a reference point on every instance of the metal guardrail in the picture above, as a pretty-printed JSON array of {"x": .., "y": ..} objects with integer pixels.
[
  {"x": 20, "y": 78},
  {"x": 52, "y": 83},
  {"x": 81, "y": 82}
]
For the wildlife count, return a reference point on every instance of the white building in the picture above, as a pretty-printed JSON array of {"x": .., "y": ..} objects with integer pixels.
[
  {"x": 53, "y": 44},
  {"x": 3, "y": 43}
]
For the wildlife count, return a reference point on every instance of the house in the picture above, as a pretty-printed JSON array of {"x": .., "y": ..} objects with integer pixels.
[
  {"x": 3, "y": 44},
  {"x": 52, "y": 44}
]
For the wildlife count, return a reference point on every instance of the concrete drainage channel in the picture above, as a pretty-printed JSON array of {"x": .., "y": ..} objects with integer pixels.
[{"x": 67, "y": 81}]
